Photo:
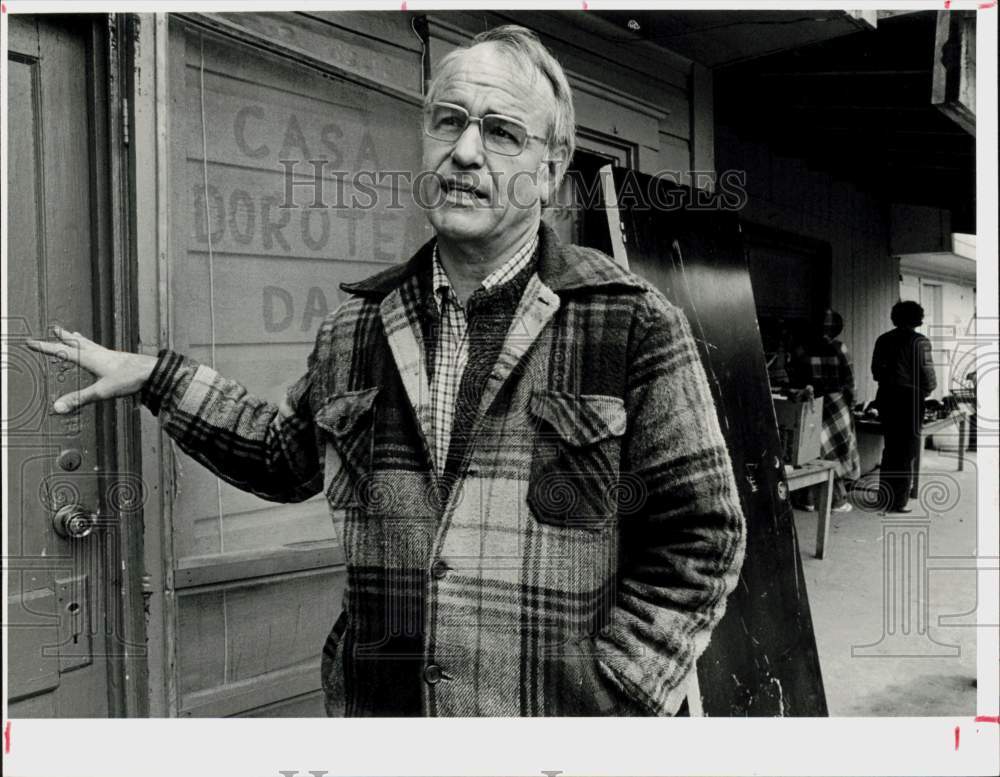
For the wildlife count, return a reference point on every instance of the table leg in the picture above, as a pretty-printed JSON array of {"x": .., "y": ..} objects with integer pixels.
[
  {"x": 915, "y": 487},
  {"x": 962, "y": 441},
  {"x": 823, "y": 503}
]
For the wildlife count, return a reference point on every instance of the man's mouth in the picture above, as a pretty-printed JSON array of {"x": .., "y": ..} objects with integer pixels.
[{"x": 463, "y": 190}]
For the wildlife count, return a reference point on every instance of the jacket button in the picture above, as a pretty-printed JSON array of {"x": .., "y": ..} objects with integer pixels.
[
  {"x": 432, "y": 674},
  {"x": 439, "y": 569}
]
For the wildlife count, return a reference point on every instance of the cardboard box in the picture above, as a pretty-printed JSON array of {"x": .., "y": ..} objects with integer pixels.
[{"x": 799, "y": 426}]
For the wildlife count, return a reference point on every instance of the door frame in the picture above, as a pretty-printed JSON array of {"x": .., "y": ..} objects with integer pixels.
[{"x": 110, "y": 60}]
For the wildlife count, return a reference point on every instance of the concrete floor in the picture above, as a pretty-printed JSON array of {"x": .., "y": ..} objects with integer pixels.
[{"x": 931, "y": 669}]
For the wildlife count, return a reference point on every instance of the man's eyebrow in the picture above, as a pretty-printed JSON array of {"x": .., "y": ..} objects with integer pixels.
[{"x": 514, "y": 113}]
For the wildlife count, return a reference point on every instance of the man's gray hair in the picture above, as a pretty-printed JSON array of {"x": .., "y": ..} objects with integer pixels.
[{"x": 526, "y": 50}]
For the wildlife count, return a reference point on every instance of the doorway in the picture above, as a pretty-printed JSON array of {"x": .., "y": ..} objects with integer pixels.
[
  {"x": 931, "y": 295},
  {"x": 73, "y": 506},
  {"x": 577, "y": 216}
]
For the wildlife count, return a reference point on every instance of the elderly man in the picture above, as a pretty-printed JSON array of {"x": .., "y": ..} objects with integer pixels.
[{"x": 515, "y": 437}]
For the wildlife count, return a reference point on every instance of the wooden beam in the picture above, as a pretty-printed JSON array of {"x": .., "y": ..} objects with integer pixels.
[{"x": 903, "y": 73}]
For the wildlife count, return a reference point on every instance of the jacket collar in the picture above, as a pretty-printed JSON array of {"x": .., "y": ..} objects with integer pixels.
[{"x": 564, "y": 268}]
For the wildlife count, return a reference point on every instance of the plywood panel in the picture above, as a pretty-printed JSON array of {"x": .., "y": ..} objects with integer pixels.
[{"x": 762, "y": 660}]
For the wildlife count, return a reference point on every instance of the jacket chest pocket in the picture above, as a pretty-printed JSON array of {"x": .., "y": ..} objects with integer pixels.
[
  {"x": 347, "y": 422},
  {"x": 575, "y": 462}
]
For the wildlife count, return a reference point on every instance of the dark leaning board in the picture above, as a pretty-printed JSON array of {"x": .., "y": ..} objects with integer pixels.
[{"x": 762, "y": 659}]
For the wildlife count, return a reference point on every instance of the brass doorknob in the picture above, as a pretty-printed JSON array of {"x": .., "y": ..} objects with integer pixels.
[{"x": 72, "y": 522}]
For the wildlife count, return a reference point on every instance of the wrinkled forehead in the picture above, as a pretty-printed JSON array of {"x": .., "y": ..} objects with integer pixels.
[{"x": 511, "y": 81}]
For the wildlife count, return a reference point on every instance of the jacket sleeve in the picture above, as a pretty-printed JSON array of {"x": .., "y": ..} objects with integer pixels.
[
  {"x": 846, "y": 374},
  {"x": 681, "y": 553},
  {"x": 879, "y": 369},
  {"x": 925, "y": 360},
  {"x": 257, "y": 446}
]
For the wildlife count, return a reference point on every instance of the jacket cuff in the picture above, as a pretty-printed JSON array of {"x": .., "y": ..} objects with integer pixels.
[{"x": 161, "y": 382}]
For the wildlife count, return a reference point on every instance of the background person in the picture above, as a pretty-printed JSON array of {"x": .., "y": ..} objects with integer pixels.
[
  {"x": 824, "y": 364},
  {"x": 903, "y": 366}
]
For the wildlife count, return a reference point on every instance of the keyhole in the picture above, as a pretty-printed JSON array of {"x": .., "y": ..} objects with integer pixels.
[{"x": 73, "y": 608}]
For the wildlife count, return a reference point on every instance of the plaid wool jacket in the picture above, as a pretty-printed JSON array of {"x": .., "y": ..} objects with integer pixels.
[{"x": 577, "y": 557}]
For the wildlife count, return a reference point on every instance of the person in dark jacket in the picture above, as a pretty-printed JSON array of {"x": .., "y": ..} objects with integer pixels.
[{"x": 902, "y": 365}]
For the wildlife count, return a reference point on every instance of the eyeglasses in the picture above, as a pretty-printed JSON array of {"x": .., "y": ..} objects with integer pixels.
[{"x": 500, "y": 134}]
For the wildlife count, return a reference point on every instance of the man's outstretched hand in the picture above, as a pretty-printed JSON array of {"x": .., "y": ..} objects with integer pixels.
[{"x": 118, "y": 374}]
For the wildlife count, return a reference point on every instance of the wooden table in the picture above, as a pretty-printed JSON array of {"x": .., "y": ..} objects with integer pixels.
[
  {"x": 817, "y": 472},
  {"x": 959, "y": 418}
]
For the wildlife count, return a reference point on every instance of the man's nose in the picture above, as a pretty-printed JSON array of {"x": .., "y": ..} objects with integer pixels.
[{"x": 468, "y": 150}]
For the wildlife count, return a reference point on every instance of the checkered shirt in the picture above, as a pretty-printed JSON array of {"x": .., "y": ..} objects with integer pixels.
[{"x": 452, "y": 351}]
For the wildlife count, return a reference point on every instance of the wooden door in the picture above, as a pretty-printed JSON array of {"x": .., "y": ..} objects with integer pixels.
[{"x": 62, "y": 636}]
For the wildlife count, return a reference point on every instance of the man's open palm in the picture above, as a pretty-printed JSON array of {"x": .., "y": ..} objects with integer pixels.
[{"x": 118, "y": 374}]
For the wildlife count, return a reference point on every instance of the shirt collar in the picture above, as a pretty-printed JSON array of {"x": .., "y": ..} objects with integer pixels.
[
  {"x": 563, "y": 268},
  {"x": 521, "y": 258}
]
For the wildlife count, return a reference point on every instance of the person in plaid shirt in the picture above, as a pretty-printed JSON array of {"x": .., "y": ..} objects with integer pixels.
[
  {"x": 516, "y": 439},
  {"x": 825, "y": 365}
]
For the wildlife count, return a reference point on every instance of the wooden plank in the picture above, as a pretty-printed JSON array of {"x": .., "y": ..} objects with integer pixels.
[
  {"x": 247, "y": 522},
  {"x": 308, "y": 705},
  {"x": 22, "y": 37},
  {"x": 32, "y": 624},
  {"x": 337, "y": 46},
  {"x": 234, "y": 637},
  {"x": 824, "y": 502},
  {"x": 151, "y": 188},
  {"x": 702, "y": 120},
  {"x": 953, "y": 88},
  {"x": 588, "y": 44},
  {"x": 391, "y": 27},
  {"x": 591, "y": 67},
  {"x": 808, "y": 474},
  {"x": 762, "y": 659},
  {"x": 262, "y": 112},
  {"x": 244, "y": 697},
  {"x": 247, "y": 217},
  {"x": 674, "y": 156},
  {"x": 219, "y": 568}
]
